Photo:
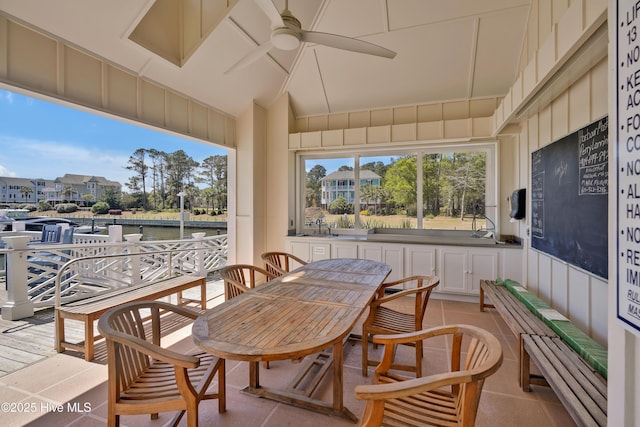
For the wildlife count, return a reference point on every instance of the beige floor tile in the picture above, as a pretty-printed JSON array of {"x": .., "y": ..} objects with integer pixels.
[{"x": 68, "y": 378}]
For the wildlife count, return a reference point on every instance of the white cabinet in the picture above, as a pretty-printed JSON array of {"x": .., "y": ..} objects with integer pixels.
[
  {"x": 391, "y": 254},
  {"x": 462, "y": 268},
  {"x": 309, "y": 250},
  {"x": 344, "y": 250},
  {"x": 420, "y": 260}
]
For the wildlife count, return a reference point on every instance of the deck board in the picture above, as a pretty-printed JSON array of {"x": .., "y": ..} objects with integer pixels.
[{"x": 27, "y": 341}]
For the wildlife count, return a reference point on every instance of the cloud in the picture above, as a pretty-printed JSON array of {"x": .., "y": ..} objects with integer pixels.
[
  {"x": 6, "y": 172},
  {"x": 7, "y": 95},
  {"x": 52, "y": 159}
]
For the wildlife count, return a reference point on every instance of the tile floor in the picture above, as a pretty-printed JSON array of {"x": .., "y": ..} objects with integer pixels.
[{"x": 64, "y": 390}]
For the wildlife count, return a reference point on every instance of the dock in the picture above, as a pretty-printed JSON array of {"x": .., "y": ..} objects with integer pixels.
[{"x": 30, "y": 340}]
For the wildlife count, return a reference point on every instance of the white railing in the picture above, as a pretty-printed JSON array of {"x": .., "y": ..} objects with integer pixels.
[{"x": 87, "y": 269}]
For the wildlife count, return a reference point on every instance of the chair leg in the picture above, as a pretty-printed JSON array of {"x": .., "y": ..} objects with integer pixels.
[
  {"x": 222, "y": 387},
  {"x": 365, "y": 352},
  {"x": 419, "y": 350}
]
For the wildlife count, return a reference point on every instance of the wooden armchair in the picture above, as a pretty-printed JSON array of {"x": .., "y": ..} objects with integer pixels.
[
  {"x": 145, "y": 378},
  {"x": 448, "y": 398},
  {"x": 240, "y": 277},
  {"x": 383, "y": 319},
  {"x": 279, "y": 263}
]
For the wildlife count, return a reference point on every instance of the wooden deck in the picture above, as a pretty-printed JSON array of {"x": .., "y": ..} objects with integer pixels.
[{"x": 27, "y": 341}]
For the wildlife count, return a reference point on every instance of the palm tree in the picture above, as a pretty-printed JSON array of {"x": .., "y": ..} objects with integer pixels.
[
  {"x": 25, "y": 191},
  {"x": 67, "y": 192}
]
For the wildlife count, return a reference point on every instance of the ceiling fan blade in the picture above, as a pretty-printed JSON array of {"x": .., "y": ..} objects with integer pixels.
[
  {"x": 251, "y": 57},
  {"x": 346, "y": 43},
  {"x": 272, "y": 13}
]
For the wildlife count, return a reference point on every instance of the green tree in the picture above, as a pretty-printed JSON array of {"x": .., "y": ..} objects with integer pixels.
[
  {"x": 112, "y": 197},
  {"x": 139, "y": 167},
  {"x": 340, "y": 206},
  {"x": 377, "y": 167},
  {"x": 401, "y": 181},
  {"x": 67, "y": 192},
  {"x": 468, "y": 180},
  {"x": 88, "y": 198},
  {"x": 26, "y": 191},
  {"x": 314, "y": 185},
  {"x": 180, "y": 172},
  {"x": 158, "y": 168},
  {"x": 214, "y": 171}
]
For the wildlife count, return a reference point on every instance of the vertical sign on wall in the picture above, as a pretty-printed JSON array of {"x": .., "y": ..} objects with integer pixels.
[{"x": 628, "y": 162}]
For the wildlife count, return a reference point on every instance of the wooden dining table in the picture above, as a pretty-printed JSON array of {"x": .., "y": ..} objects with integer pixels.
[{"x": 309, "y": 311}]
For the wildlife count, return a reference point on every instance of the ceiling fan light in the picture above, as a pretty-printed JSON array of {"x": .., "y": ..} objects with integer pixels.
[{"x": 285, "y": 40}]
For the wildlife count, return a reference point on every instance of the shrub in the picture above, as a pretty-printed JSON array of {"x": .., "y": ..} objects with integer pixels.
[
  {"x": 66, "y": 207},
  {"x": 100, "y": 208},
  {"x": 340, "y": 206},
  {"x": 30, "y": 208},
  {"x": 44, "y": 206},
  {"x": 365, "y": 212}
]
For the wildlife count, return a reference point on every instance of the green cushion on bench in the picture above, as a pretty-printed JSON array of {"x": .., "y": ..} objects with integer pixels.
[{"x": 592, "y": 352}]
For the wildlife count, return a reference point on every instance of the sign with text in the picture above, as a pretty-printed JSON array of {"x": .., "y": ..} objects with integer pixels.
[{"x": 628, "y": 162}]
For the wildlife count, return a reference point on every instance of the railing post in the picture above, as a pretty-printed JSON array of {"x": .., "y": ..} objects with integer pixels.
[
  {"x": 200, "y": 254},
  {"x": 134, "y": 248},
  {"x": 18, "y": 305}
]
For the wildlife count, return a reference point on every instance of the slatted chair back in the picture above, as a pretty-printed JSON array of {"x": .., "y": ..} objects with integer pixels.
[
  {"x": 384, "y": 318},
  {"x": 240, "y": 277},
  {"x": 145, "y": 378},
  {"x": 445, "y": 398},
  {"x": 279, "y": 263},
  {"x": 50, "y": 233}
]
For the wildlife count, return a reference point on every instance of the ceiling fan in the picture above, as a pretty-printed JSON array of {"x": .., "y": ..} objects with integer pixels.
[{"x": 287, "y": 34}]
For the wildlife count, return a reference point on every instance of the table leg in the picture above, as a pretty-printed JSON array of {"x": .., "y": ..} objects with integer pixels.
[
  {"x": 254, "y": 375},
  {"x": 338, "y": 358}
]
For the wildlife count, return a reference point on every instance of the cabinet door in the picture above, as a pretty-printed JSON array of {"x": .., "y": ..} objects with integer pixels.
[
  {"x": 300, "y": 249},
  {"x": 483, "y": 265},
  {"x": 320, "y": 251},
  {"x": 370, "y": 251},
  {"x": 453, "y": 270},
  {"x": 345, "y": 250},
  {"x": 393, "y": 255},
  {"x": 420, "y": 260}
]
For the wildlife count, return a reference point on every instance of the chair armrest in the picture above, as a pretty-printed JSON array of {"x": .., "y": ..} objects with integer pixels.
[
  {"x": 178, "y": 309},
  {"x": 396, "y": 295},
  {"x": 156, "y": 352},
  {"x": 411, "y": 386},
  {"x": 428, "y": 282},
  {"x": 392, "y": 339}
]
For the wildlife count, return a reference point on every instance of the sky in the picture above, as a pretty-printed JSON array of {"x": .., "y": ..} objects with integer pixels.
[{"x": 40, "y": 139}]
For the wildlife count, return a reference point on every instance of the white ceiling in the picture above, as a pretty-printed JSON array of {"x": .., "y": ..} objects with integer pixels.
[{"x": 446, "y": 50}]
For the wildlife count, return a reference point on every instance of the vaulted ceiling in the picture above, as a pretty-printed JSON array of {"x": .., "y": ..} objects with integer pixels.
[{"x": 446, "y": 49}]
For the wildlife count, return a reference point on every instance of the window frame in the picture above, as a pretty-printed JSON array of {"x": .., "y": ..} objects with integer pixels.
[{"x": 491, "y": 174}]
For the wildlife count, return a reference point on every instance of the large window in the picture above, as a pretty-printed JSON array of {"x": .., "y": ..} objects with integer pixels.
[{"x": 455, "y": 189}]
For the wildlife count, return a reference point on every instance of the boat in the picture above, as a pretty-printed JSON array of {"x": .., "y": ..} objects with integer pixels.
[
  {"x": 37, "y": 223},
  {"x": 8, "y": 216}
]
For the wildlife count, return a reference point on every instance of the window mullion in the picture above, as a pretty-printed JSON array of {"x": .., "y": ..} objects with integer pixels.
[
  {"x": 356, "y": 192},
  {"x": 419, "y": 183}
]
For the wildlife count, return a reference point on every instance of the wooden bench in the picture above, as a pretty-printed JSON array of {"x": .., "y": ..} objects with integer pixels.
[
  {"x": 90, "y": 309},
  {"x": 519, "y": 318},
  {"x": 582, "y": 390},
  {"x": 570, "y": 362}
]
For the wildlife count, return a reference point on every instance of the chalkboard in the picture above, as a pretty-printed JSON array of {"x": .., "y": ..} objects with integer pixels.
[{"x": 569, "y": 186}]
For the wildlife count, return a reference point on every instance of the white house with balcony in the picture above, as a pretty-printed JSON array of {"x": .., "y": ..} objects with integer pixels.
[
  {"x": 343, "y": 184},
  {"x": 73, "y": 187}
]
